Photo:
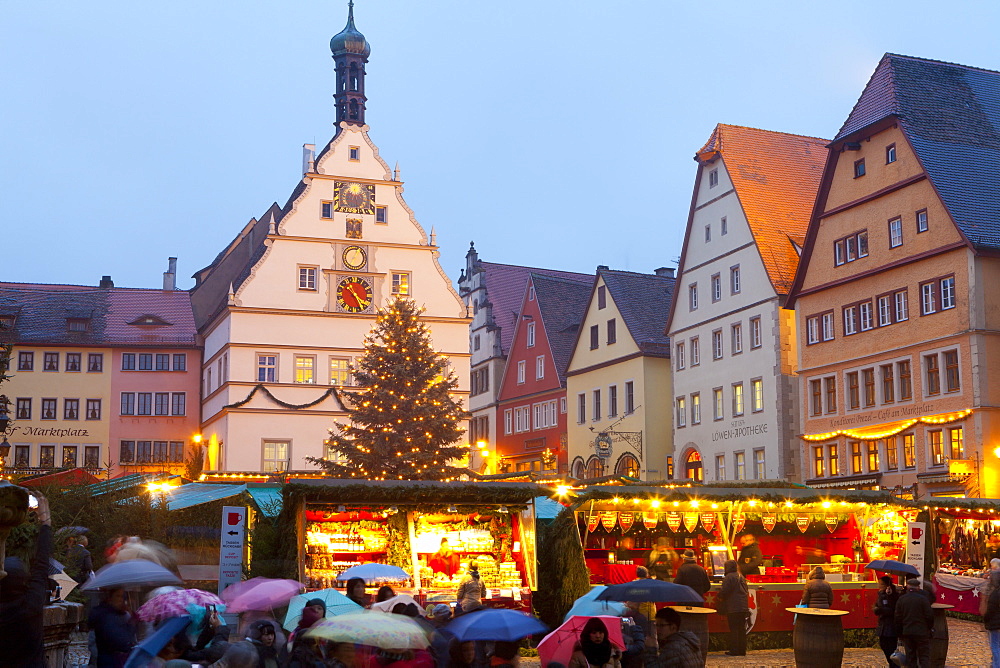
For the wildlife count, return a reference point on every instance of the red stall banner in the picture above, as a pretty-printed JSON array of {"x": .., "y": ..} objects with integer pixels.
[
  {"x": 690, "y": 521},
  {"x": 831, "y": 523},
  {"x": 708, "y": 521},
  {"x": 769, "y": 520},
  {"x": 674, "y": 521},
  {"x": 802, "y": 522},
  {"x": 593, "y": 519},
  {"x": 608, "y": 519},
  {"x": 625, "y": 520},
  {"x": 649, "y": 520},
  {"x": 739, "y": 520}
]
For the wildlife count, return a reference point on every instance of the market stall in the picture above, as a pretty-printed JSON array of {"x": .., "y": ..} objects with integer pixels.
[
  {"x": 969, "y": 538},
  {"x": 433, "y": 531}
]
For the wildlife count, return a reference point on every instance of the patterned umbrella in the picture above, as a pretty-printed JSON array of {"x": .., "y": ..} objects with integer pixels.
[
  {"x": 377, "y": 629},
  {"x": 259, "y": 594},
  {"x": 336, "y": 604},
  {"x": 178, "y": 603}
]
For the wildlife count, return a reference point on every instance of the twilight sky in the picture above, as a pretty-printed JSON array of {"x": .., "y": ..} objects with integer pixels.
[{"x": 554, "y": 133}]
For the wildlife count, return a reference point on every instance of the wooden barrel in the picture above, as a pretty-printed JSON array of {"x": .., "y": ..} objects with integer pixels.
[
  {"x": 939, "y": 643},
  {"x": 696, "y": 623},
  {"x": 818, "y": 641}
]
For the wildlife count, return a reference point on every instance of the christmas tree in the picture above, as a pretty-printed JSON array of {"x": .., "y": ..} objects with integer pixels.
[{"x": 404, "y": 422}]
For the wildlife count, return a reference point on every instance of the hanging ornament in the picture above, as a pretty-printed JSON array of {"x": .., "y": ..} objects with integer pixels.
[
  {"x": 608, "y": 519},
  {"x": 708, "y": 521},
  {"x": 649, "y": 520},
  {"x": 673, "y": 521},
  {"x": 625, "y": 521},
  {"x": 739, "y": 521},
  {"x": 831, "y": 523},
  {"x": 592, "y": 521},
  {"x": 690, "y": 521},
  {"x": 802, "y": 522},
  {"x": 769, "y": 520}
]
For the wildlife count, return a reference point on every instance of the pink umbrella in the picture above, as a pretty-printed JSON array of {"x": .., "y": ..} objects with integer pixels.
[
  {"x": 179, "y": 603},
  {"x": 558, "y": 646},
  {"x": 259, "y": 594}
]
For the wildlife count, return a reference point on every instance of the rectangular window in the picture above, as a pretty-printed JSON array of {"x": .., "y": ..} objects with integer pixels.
[
  {"x": 159, "y": 451},
  {"x": 902, "y": 313},
  {"x": 737, "y": 399},
  {"x": 340, "y": 372},
  {"x": 401, "y": 283},
  {"x": 679, "y": 356},
  {"x": 70, "y": 456},
  {"x": 71, "y": 409},
  {"x": 23, "y": 408},
  {"x": 737, "y": 338},
  {"x": 695, "y": 351},
  {"x": 833, "y": 454},
  {"x": 717, "y": 407},
  {"x": 830, "y": 384},
  {"x": 520, "y": 372},
  {"x": 922, "y": 220},
  {"x": 827, "y": 326},
  {"x": 144, "y": 403},
  {"x": 716, "y": 287},
  {"x": 540, "y": 367},
  {"x": 25, "y": 361},
  {"x": 956, "y": 443},
  {"x": 850, "y": 320},
  {"x": 595, "y": 337},
  {"x": 895, "y": 232},
  {"x": 180, "y": 361},
  {"x": 326, "y": 210},
  {"x": 681, "y": 408},
  {"x": 267, "y": 368},
  {"x": 816, "y": 397},
  {"x": 937, "y": 447},
  {"x": 47, "y": 456},
  {"x": 612, "y": 401},
  {"x": 95, "y": 362},
  {"x": 741, "y": 465},
  {"x": 884, "y": 311},
  {"x": 93, "y": 409},
  {"x": 522, "y": 419},
  {"x": 696, "y": 408},
  {"x": 178, "y": 403},
  {"x": 275, "y": 456},
  {"x": 531, "y": 335},
  {"x": 932, "y": 374},
  {"x": 629, "y": 397},
  {"x": 905, "y": 384},
  {"x": 144, "y": 452},
  {"x": 812, "y": 329},
  {"x": 50, "y": 362},
  {"x": 581, "y": 408},
  {"x": 307, "y": 278},
  {"x": 713, "y": 178},
  {"x": 92, "y": 456},
  {"x": 161, "y": 403},
  {"x": 475, "y": 342},
  {"x": 890, "y": 154},
  {"x": 734, "y": 280},
  {"x": 48, "y": 409},
  {"x": 888, "y": 384},
  {"x": 891, "y": 453},
  {"x": 22, "y": 456},
  {"x": 947, "y": 293},
  {"x": 612, "y": 330},
  {"x": 354, "y": 153},
  {"x": 852, "y": 248},
  {"x": 381, "y": 214},
  {"x": 755, "y": 333},
  {"x": 868, "y": 378},
  {"x": 145, "y": 362},
  {"x": 853, "y": 391},
  {"x": 856, "y": 458},
  {"x": 693, "y": 297},
  {"x": 757, "y": 395},
  {"x": 708, "y": 233},
  {"x": 175, "y": 452},
  {"x": 73, "y": 361},
  {"x": 723, "y": 226},
  {"x": 909, "y": 451},
  {"x": 867, "y": 321},
  {"x": 839, "y": 252},
  {"x": 597, "y": 405},
  {"x": 859, "y": 168},
  {"x": 720, "y": 467},
  {"x": 759, "y": 467},
  {"x": 602, "y": 297},
  {"x": 928, "y": 298},
  {"x": 508, "y": 421},
  {"x": 819, "y": 462},
  {"x": 873, "y": 463},
  {"x": 717, "y": 344},
  {"x": 128, "y": 403},
  {"x": 952, "y": 382},
  {"x": 305, "y": 369}
]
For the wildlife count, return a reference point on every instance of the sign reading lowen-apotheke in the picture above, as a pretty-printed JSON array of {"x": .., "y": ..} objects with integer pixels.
[
  {"x": 231, "y": 547},
  {"x": 916, "y": 538}
]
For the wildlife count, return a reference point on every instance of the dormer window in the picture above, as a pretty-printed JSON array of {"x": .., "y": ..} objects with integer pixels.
[
  {"x": 78, "y": 324},
  {"x": 150, "y": 320},
  {"x": 7, "y": 321}
]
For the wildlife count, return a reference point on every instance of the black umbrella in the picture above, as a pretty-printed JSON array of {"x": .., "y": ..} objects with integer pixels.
[
  {"x": 650, "y": 590},
  {"x": 894, "y": 567}
]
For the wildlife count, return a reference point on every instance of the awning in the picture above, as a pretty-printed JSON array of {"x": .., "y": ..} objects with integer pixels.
[
  {"x": 125, "y": 482},
  {"x": 546, "y": 508},
  {"x": 197, "y": 493},
  {"x": 267, "y": 498}
]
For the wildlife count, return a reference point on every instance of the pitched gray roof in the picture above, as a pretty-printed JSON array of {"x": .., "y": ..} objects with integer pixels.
[
  {"x": 562, "y": 303},
  {"x": 644, "y": 302},
  {"x": 951, "y": 114}
]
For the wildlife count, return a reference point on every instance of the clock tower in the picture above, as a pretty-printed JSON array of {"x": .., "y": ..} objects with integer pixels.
[{"x": 285, "y": 308}]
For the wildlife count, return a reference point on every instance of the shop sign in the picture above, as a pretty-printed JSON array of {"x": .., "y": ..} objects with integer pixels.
[
  {"x": 708, "y": 521},
  {"x": 608, "y": 519},
  {"x": 739, "y": 521},
  {"x": 625, "y": 520},
  {"x": 603, "y": 446},
  {"x": 690, "y": 521},
  {"x": 831, "y": 523},
  {"x": 649, "y": 520},
  {"x": 962, "y": 467},
  {"x": 916, "y": 536},
  {"x": 231, "y": 547},
  {"x": 674, "y": 521},
  {"x": 592, "y": 520},
  {"x": 802, "y": 522},
  {"x": 769, "y": 520}
]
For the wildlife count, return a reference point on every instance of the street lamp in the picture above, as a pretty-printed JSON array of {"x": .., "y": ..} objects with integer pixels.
[{"x": 4, "y": 423}]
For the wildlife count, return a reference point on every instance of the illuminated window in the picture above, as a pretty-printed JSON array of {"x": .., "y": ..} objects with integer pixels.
[
  {"x": 759, "y": 468},
  {"x": 937, "y": 447},
  {"x": 737, "y": 399},
  {"x": 693, "y": 468},
  {"x": 833, "y": 452},
  {"x": 305, "y": 369},
  {"x": 956, "y": 441},
  {"x": 717, "y": 408},
  {"x": 757, "y": 395},
  {"x": 595, "y": 468},
  {"x": 628, "y": 466},
  {"x": 340, "y": 373},
  {"x": 873, "y": 463},
  {"x": 696, "y": 408},
  {"x": 741, "y": 465},
  {"x": 681, "y": 409},
  {"x": 401, "y": 283},
  {"x": 891, "y": 453},
  {"x": 909, "y": 451},
  {"x": 856, "y": 458},
  {"x": 275, "y": 456},
  {"x": 819, "y": 468}
]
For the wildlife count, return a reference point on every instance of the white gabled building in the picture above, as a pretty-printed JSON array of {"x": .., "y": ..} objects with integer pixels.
[
  {"x": 285, "y": 308},
  {"x": 735, "y": 399}
]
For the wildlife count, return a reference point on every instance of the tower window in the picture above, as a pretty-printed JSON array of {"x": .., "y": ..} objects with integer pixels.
[
  {"x": 859, "y": 168},
  {"x": 354, "y": 152},
  {"x": 327, "y": 210},
  {"x": 381, "y": 214}
]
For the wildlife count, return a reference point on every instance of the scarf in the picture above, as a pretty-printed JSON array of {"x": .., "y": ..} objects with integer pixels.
[{"x": 597, "y": 654}]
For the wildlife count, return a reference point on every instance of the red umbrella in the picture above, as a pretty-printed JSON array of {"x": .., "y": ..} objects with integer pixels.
[
  {"x": 259, "y": 594},
  {"x": 558, "y": 645}
]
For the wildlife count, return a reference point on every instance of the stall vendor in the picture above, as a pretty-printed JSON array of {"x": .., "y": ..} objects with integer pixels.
[
  {"x": 661, "y": 560},
  {"x": 444, "y": 560},
  {"x": 751, "y": 557}
]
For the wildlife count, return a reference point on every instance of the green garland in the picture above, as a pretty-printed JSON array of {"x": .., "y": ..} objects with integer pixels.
[
  {"x": 398, "y": 549},
  {"x": 259, "y": 387},
  {"x": 502, "y": 529},
  {"x": 425, "y": 496}
]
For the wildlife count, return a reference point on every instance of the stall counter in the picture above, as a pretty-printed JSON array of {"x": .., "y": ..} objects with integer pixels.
[{"x": 961, "y": 591}]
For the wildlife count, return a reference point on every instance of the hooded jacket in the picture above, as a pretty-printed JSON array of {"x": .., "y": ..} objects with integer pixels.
[
  {"x": 681, "y": 650},
  {"x": 817, "y": 593},
  {"x": 734, "y": 595}
]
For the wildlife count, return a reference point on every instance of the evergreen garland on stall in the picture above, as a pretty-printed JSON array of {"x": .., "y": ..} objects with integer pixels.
[
  {"x": 562, "y": 571},
  {"x": 404, "y": 422}
]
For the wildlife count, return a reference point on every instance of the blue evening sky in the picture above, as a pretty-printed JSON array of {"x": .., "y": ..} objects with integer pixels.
[{"x": 554, "y": 133}]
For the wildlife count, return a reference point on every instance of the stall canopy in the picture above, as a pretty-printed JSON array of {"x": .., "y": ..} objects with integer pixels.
[
  {"x": 197, "y": 493},
  {"x": 266, "y": 497},
  {"x": 126, "y": 483},
  {"x": 546, "y": 509}
]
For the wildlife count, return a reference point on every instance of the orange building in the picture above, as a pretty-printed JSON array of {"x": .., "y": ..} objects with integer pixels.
[{"x": 895, "y": 294}]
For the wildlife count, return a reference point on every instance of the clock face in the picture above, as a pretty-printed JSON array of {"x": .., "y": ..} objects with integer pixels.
[
  {"x": 355, "y": 258},
  {"x": 354, "y": 294},
  {"x": 351, "y": 197}
]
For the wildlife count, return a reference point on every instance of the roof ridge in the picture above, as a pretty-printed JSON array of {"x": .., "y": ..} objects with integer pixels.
[
  {"x": 772, "y": 132},
  {"x": 637, "y": 273},
  {"x": 524, "y": 266},
  {"x": 563, "y": 279},
  {"x": 45, "y": 287},
  {"x": 940, "y": 62}
]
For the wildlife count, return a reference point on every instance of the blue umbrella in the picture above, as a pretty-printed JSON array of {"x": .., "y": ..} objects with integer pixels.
[
  {"x": 894, "y": 567},
  {"x": 374, "y": 573},
  {"x": 587, "y": 606},
  {"x": 336, "y": 604},
  {"x": 650, "y": 590},
  {"x": 144, "y": 652},
  {"x": 493, "y": 624},
  {"x": 131, "y": 574}
]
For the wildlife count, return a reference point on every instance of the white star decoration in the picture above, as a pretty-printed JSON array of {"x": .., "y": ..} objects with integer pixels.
[
  {"x": 960, "y": 597},
  {"x": 975, "y": 592}
]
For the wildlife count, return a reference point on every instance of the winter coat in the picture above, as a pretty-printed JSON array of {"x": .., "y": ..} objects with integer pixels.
[
  {"x": 817, "y": 593},
  {"x": 693, "y": 575},
  {"x": 984, "y": 593},
  {"x": 578, "y": 660},
  {"x": 734, "y": 595},
  {"x": 114, "y": 634},
  {"x": 471, "y": 591},
  {"x": 635, "y": 643},
  {"x": 751, "y": 559},
  {"x": 23, "y": 595},
  {"x": 914, "y": 616},
  {"x": 681, "y": 650},
  {"x": 991, "y": 616},
  {"x": 885, "y": 610},
  {"x": 211, "y": 646}
]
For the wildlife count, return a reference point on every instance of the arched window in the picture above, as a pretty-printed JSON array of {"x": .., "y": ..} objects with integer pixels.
[
  {"x": 354, "y": 110},
  {"x": 595, "y": 468},
  {"x": 692, "y": 467},
  {"x": 578, "y": 469},
  {"x": 628, "y": 465},
  {"x": 354, "y": 76}
]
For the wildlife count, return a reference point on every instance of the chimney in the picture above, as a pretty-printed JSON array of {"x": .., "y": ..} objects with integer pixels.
[
  {"x": 308, "y": 158},
  {"x": 603, "y": 267},
  {"x": 664, "y": 271},
  {"x": 170, "y": 275},
  {"x": 106, "y": 283}
]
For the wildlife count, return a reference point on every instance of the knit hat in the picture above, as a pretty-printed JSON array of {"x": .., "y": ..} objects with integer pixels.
[{"x": 317, "y": 601}]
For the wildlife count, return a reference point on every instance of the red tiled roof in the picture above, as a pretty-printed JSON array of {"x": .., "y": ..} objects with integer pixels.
[{"x": 776, "y": 177}]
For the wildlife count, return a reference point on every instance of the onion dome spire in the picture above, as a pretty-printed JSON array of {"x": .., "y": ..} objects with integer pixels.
[{"x": 350, "y": 53}]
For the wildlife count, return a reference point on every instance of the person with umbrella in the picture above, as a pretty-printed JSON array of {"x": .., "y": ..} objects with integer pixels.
[
  {"x": 671, "y": 647},
  {"x": 734, "y": 602},
  {"x": 114, "y": 628},
  {"x": 594, "y": 650},
  {"x": 885, "y": 610},
  {"x": 661, "y": 559},
  {"x": 263, "y": 635},
  {"x": 313, "y": 612},
  {"x": 356, "y": 591}
]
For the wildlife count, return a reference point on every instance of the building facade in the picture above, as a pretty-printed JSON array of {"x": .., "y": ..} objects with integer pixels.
[
  {"x": 618, "y": 378},
  {"x": 895, "y": 296},
  {"x": 735, "y": 399},
  {"x": 284, "y": 309}
]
